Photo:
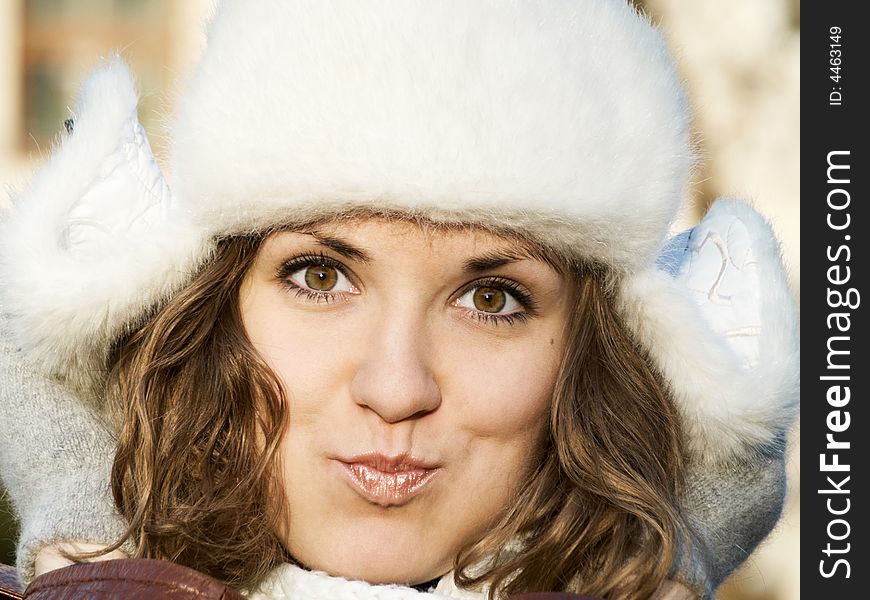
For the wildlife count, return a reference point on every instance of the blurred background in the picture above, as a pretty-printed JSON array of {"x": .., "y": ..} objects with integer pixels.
[{"x": 740, "y": 60}]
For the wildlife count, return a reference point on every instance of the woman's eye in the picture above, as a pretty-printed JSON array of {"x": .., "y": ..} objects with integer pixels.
[
  {"x": 321, "y": 278},
  {"x": 490, "y": 300}
]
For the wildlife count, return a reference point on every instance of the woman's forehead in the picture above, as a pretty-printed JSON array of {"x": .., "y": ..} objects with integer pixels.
[{"x": 363, "y": 235}]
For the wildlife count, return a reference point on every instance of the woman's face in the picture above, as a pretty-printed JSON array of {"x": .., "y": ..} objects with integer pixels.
[{"x": 419, "y": 365}]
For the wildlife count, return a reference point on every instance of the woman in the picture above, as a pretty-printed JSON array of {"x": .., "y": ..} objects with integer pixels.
[{"x": 400, "y": 315}]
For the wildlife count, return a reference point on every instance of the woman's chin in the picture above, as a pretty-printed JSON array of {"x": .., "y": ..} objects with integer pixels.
[{"x": 377, "y": 545}]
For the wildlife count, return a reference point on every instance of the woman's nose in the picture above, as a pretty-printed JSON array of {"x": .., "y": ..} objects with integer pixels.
[{"x": 394, "y": 378}]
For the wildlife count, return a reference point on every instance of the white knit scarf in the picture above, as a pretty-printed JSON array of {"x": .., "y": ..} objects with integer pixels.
[{"x": 289, "y": 582}]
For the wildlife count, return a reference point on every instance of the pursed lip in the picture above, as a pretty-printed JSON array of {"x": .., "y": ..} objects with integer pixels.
[{"x": 388, "y": 480}]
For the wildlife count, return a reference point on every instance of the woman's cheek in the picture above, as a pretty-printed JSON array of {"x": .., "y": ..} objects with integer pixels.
[{"x": 508, "y": 393}]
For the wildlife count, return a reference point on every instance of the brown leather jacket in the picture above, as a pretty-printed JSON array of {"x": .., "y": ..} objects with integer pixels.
[
  {"x": 142, "y": 579},
  {"x": 138, "y": 579},
  {"x": 10, "y": 588}
]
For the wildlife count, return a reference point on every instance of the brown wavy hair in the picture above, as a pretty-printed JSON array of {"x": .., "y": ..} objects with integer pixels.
[{"x": 201, "y": 417}]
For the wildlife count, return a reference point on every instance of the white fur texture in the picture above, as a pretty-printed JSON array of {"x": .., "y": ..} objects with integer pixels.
[
  {"x": 723, "y": 334},
  {"x": 290, "y": 582},
  {"x": 564, "y": 118},
  {"x": 94, "y": 240}
]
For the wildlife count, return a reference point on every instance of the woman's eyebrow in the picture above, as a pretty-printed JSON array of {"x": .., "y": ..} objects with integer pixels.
[
  {"x": 496, "y": 259},
  {"x": 343, "y": 247}
]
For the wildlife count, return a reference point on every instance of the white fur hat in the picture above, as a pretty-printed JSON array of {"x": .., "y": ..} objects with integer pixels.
[{"x": 561, "y": 119}]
